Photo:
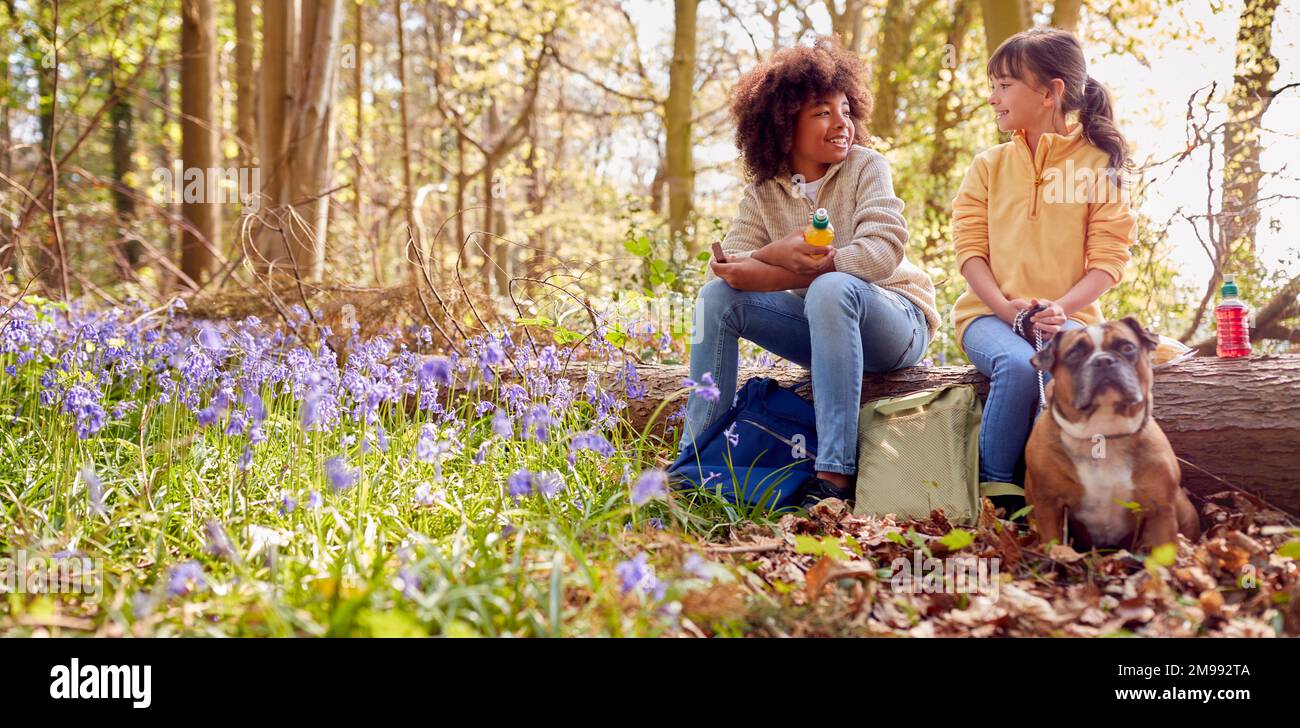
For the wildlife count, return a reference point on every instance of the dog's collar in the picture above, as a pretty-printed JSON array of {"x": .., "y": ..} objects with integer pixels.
[{"x": 1074, "y": 430}]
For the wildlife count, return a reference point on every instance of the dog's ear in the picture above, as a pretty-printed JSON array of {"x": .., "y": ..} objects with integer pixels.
[
  {"x": 1149, "y": 339},
  {"x": 1045, "y": 358}
]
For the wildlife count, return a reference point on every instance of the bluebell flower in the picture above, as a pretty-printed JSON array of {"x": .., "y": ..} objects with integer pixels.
[
  {"x": 636, "y": 573},
  {"x": 212, "y": 341},
  {"x": 492, "y": 354},
  {"x": 425, "y": 495},
  {"x": 245, "y": 458},
  {"x": 237, "y": 424},
  {"x": 696, "y": 566},
  {"x": 314, "y": 500},
  {"x": 547, "y": 359},
  {"x": 501, "y": 424},
  {"x": 481, "y": 454},
  {"x": 436, "y": 369},
  {"x": 185, "y": 578},
  {"x": 733, "y": 437},
  {"x": 632, "y": 381},
  {"x": 520, "y": 483},
  {"x": 254, "y": 405},
  {"x": 594, "y": 441},
  {"x": 549, "y": 483},
  {"x": 218, "y": 542},
  {"x": 84, "y": 405},
  {"x": 311, "y": 409},
  {"x": 707, "y": 389},
  {"x": 650, "y": 485},
  {"x": 341, "y": 477},
  {"x": 427, "y": 446},
  {"x": 408, "y": 581},
  {"x": 537, "y": 422},
  {"x": 287, "y": 505}
]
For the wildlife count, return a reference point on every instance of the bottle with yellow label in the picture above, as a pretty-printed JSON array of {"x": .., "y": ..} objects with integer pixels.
[{"x": 820, "y": 231}]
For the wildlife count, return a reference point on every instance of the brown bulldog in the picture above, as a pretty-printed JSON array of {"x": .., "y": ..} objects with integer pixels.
[{"x": 1097, "y": 447}]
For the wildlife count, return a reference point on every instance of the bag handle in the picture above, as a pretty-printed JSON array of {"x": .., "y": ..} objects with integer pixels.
[
  {"x": 991, "y": 489},
  {"x": 916, "y": 399}
]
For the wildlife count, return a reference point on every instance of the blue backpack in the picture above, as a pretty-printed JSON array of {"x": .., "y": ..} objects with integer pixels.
[{"x": 775, "y": 433}]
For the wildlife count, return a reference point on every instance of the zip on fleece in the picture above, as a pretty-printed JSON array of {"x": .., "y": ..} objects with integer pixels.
[{"x": 1034, "y": 168}]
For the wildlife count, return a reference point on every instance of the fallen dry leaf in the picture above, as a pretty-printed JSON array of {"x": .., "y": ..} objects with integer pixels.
[
  {"x": 1065, "y": 554},
  {"x": 827, "y": 570}
]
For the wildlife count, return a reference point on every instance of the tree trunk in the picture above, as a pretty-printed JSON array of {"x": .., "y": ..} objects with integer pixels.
[
  {"x": 677, "y": 120},
  {"x": 199, "y": 135},
  {"x": 8, "y": 243},
  {"x": 940, "y": 182},
  {"x": 245, "y": 129},
  {"x": 121, "y": 117},
  {"x": 162, "y": 159},
  {"x": 847, "y": 24},
  {"x": 411, "y": 248},
  {"x": 311, "y": 148},
  {"x": 358, "y": 153},
  {"x": 1065, "y": 14},
  {"x": 462, "y": 179},
  {"x": 1249, "y": 99},
  {"x": 498, "y": 266},
  {"x": 537, "y": 200},
  {"x": 893, "y": 46},
  {"x": 1002, "y": 19},
  {"x": 279, "y": 43}
]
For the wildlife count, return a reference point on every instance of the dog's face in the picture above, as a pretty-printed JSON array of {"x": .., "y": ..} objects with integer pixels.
[{"x": 1113, "y": 357}]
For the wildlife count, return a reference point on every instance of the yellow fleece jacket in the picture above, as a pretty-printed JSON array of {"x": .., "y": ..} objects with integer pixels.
[{"x": 1041, "y": 220}]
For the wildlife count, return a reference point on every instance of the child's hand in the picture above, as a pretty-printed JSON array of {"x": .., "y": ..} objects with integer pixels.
[
  {"x": 1050, "y": 319},
  {"x": 1014, "y": 306},
  {"x": 797, "y": 256},
  {"x": 746, "y": 274}
]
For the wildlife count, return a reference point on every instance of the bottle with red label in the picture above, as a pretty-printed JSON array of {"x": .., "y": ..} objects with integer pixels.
[{"x": 1232, "y": 317}]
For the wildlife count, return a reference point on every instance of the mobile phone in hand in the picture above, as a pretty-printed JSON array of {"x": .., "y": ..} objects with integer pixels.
[{"x": 718, "y": 255}]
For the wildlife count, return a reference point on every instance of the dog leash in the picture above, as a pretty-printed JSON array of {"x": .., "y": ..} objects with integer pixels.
[{"x": 1018, "y": 326}]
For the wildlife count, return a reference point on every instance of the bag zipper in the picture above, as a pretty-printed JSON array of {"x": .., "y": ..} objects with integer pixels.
[{"x": 787, "y": 441}]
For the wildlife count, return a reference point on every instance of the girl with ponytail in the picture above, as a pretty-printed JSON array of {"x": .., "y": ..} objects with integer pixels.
[{"x": 1038, "y": 221}]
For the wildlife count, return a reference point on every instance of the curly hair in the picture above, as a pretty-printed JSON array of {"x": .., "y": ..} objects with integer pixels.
[{"x": 765, "y": 102}]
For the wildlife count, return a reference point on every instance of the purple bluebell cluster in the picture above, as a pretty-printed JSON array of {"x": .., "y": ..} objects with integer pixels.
[
  {"x": 230, "y": 386},
  {"x": 636, "y": 574},
  {"x": 101, "y": 367}
]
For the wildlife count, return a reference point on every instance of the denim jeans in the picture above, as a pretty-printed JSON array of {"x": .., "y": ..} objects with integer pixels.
[
  {"x": 1012, "y": 405},
  {"x": 843, "y": 328}
]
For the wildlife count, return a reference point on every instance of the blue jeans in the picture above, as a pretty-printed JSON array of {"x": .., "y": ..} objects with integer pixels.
[
  {"x": 1012, "y": 405},
  {"x": 843, "y": 328}
]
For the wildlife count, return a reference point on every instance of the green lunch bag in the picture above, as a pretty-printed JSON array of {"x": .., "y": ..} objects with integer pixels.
[{"x": 919, "y": 452}]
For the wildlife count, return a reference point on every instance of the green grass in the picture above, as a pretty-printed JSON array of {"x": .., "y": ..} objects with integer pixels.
[{"x": 370, "y": 560}]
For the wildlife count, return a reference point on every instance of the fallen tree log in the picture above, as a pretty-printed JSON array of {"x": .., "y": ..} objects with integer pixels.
[{"x": 1234, "y": 423}]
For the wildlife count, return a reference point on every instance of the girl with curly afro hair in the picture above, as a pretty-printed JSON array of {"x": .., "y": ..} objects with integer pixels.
[{"x": 845, "y": 309}]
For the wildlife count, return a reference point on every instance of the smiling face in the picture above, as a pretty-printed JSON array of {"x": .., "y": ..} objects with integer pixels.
[
  {"x": 1019, "y": 104},
  {"x": 823, "y": 133}
]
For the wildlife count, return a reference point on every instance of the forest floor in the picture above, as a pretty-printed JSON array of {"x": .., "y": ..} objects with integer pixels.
[{"x": 228, "y": 475}]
